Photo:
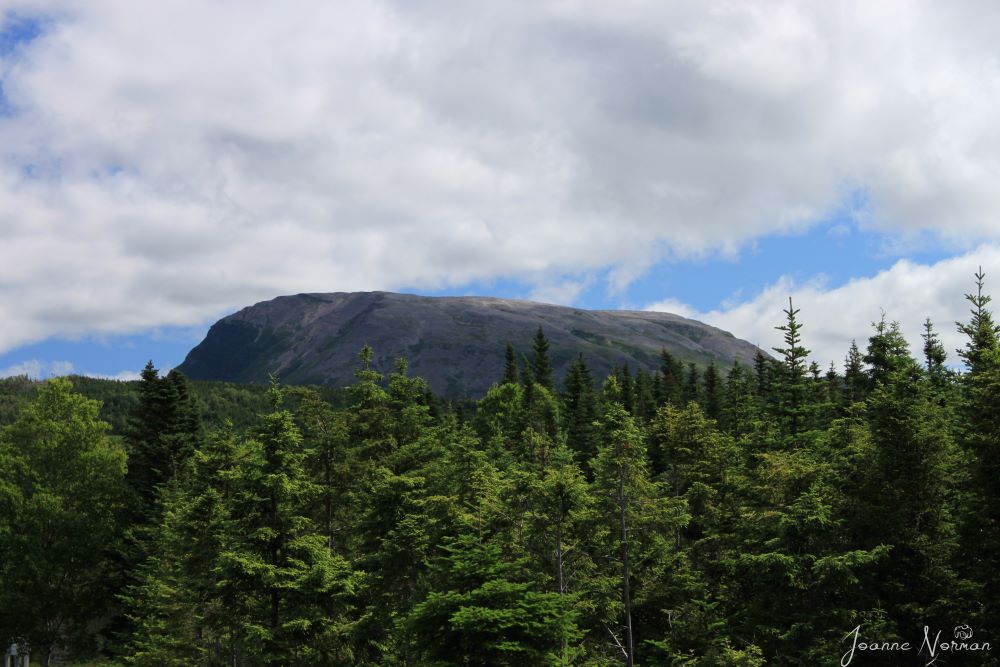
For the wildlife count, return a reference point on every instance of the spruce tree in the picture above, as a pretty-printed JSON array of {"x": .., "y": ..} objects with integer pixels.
[
  {"x": 637, "y": 516},
  {"x": 935, "y": 358},
  {"x": 581, "y": 410},
  {"x": 712, "y": 391},
  {"x": 912, "y": 491},
  {"x": 290, "y": 592},
  {"x": 671, "y": 379},
  {"x": 887, "y": 352},
  {"x": 541, "y": 369},
  {"x": 627, "y": 388},
  {"x": 981, "y": 331},
  {"x": 855, "y": 380},
  {"x": 793, "y": 390},
  {"x": 510, "y": 366},
  {"x": 691, "y": 391},
  {"x": 979, "y": 409},
  {"x": 644, "y": 395},
  {"x": 165, "y": 429}
]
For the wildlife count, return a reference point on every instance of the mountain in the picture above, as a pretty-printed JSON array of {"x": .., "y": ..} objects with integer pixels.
[{"x": 456, "y": 343}]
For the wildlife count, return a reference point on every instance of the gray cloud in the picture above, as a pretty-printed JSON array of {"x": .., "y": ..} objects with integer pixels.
[{"x": 167, "y": 162}]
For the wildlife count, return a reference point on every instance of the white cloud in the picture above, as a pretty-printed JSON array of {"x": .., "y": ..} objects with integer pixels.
[
  {"x": 167, "y": 162},
  {"x": 38, "y": 369},
  {"x": 124, "y": 376},
  {"x": 832, "y": 316}
]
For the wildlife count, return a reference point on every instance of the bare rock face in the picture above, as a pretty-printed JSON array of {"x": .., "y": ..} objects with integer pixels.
[{"x": 456, "y": 343}]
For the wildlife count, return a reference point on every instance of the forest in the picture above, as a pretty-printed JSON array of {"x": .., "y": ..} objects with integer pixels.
[{"x": 774, "y": 514}]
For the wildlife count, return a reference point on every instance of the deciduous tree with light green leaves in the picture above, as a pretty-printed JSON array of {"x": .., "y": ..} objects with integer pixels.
[{"x": 61, "y": 499}]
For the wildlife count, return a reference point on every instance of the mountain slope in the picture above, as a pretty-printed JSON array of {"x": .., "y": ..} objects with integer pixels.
[{"x": 456, "y": 343}]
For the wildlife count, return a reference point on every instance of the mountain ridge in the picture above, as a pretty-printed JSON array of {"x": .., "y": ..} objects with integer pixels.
[{"x": 455, "y": 342}]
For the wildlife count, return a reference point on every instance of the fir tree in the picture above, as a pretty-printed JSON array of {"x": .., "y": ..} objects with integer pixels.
[
  {"x": 935, "y": 358},
  {"x": 541, "y": 369},
  {"x": 855, "y": 380},
  {"x": 793, "y": 390},
  {"x": 638, "y": 516},
  {"x": 644, "y": 395},
  {"x": 887, "y": 351},
  {"x": 980, "y": 330},
  {"x": 691, "y": 391},
  {"x": 671, "y": 379},
  {"x": 712, "y": 391},
  {"x": 290, "y": 591},
  {"x": 510, "y": 366},
  {"x": 581, "y": 410}
]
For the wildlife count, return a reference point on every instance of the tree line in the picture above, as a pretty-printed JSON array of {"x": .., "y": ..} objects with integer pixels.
[{"x": 690, "y": 516}]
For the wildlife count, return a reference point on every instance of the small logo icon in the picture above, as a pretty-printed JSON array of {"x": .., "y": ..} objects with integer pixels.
[{"x": 963, "y": 632}]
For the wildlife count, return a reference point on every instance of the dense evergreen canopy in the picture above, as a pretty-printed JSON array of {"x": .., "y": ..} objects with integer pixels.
[{"x": 693, "y": 516}]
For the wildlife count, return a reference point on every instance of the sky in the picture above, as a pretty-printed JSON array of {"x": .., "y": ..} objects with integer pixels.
[{"x": 165, "y": 164}]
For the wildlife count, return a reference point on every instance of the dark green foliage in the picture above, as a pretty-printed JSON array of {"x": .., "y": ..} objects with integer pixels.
[
  {"x": 887, "y": 352},
  {"x": 484, "y": 612},
  {"x": 792, "y": 390},
  {"x": 581, "y": 410},
  {"x": 681, "y": 518},
  {"x": 671, "y": 378},
  {"x": 980, "y": 329},
  {"x": 691, "y": 390},
  {"x": 912, "y": 482},
  {"x": 510, "y": 366},
  {"x": 855, "y": 381},
  {"x": 712, "y": 391},
  {"x": 166, "y": 427},
  {"x": 979, "y": 434},
  {"x": 61, "y": 503},
  {"x": 541, "y": 367}
]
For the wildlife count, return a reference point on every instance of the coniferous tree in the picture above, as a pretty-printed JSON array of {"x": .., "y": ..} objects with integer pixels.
[
  {"x": 834, "y": 388},
  {"x": 793, "y": 390},
  {"x": 855, "y": 380},
  {"x": 541, "y": 368},
  {"x": 483, "y": 610},
  {"x": 627, "y": 388},
  {"x": 712, "y": 391},
  {"x": 290, "y": 591},
  {"x": 887, "y": 352},
  {"x": 912, "y": 485},
  {"x": 979, "y": 409},
  {"x": 581, "y": 410},
  {"x": 638, "y": 516},
  {"x": 981, "y": 331},
  {"x": 165, "y": 429},
  {"x": 644, "y": 395},
  {"x": 691, "y": 391},
  {"x": 935, "y": 357},
  {"x": 510, "y": 366},
  {"x": 671, "y": 379},
  {"x": 178, "y": 614},
  {"x": 741, "y": 407},
  {"x": 760, "y": 368}
]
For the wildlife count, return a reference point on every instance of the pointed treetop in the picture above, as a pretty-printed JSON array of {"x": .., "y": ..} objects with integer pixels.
[
  {"x": 541, "y": 368},
  {"x": 510, "y": 366},
  {"x": 794, "y": 353}
]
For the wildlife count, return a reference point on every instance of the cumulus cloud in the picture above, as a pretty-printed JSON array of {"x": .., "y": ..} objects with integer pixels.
[
  {"x": 41, "y": 369},
  {"x": 163, "y": 163},
  {"x": 37, "y": 369},
  {"x": 907, "y": 292}
]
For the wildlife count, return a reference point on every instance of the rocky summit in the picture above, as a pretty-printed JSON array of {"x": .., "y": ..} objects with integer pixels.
[{"x": 456, "y": 343}]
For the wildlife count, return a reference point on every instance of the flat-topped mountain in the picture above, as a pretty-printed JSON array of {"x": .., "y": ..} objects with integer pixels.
[{"x": 456, "y": 343}]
